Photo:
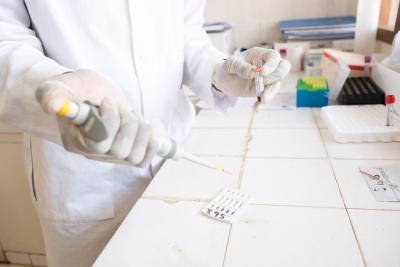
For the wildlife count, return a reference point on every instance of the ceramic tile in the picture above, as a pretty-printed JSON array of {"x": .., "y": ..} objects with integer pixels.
[
  {"x": 38, "y": 260},
  {"x": 353, "y": 186},
  {"x": 293, "y": 236},
  {"x": 235, "y": 118},
  {"x": 296, "y": 118},
  {"x": 215, "y": 142},
  {"x": 281, "y": 101},
  {"x": 361, "y": 150},
  {"x": 287, "y": 143},
  {"x": 378, "y": 234},
  {"x": 294, "y": 182},
  {"x": 182, "y": 179},
  {"x": 157, "y": 233},
  {"x": 18, "y": 258},
  {"x": 318, "y": 118}
]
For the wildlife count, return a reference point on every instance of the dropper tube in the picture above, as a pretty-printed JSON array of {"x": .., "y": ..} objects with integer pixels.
[{"x": 258, "y": 80}]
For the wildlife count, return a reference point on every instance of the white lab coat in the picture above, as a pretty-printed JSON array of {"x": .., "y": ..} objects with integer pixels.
[{"x": 149, "y": 49}]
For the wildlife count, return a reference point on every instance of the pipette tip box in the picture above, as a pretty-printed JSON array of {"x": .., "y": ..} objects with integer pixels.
[
  {"x": 312, "y": 92},
  {"x": 360, "y": 124},
  {"x": 361, "y": 91}
]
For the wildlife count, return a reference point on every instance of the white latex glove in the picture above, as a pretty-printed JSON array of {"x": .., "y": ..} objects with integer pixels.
[
  {"x": 235, "y": 76},
  {"x": 129, "y": 138}
]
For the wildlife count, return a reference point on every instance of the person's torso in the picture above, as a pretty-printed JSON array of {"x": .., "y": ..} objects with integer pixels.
[{"x": 137, "y": 44}]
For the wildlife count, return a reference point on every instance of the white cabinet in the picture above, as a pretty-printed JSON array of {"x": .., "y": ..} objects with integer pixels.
[{"x": 19, "y": 225}]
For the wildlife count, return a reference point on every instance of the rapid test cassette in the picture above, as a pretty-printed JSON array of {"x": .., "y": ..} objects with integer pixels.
[{"x": 227, "y": 206}]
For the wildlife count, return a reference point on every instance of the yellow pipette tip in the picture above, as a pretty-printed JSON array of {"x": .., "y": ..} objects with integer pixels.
[{"x": 220, "y": 169}]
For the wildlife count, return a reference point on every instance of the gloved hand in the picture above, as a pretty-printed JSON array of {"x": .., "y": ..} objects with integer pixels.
[
  {"x": 235, "y": 76},
  {"x": 129, "y": 138}
]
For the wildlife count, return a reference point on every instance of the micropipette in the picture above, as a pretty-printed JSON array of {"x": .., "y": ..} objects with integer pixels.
[{"x": 86, "y": 117}]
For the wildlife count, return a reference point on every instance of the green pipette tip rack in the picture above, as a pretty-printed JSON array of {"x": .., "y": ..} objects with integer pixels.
[{"x": 312, "y": 92}]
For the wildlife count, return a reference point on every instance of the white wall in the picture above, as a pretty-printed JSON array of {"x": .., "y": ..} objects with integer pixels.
[
  {"x": 383, "y": 48},
  {"x": 256, "y": 21}
]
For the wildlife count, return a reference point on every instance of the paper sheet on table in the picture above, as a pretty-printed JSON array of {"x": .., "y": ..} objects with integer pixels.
[{"x": 384, "y": 182}]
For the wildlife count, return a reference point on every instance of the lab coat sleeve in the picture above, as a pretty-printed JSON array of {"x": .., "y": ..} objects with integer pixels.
[
  {"x": 23, "y": 66},
  {"x": 201, "y": 57}
]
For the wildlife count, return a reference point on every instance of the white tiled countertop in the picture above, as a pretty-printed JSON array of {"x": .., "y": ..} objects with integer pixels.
[{"x": 311, "y": 207}]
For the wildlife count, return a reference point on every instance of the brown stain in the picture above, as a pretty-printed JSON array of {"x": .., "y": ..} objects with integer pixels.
[{"x": 249, "y": 138}]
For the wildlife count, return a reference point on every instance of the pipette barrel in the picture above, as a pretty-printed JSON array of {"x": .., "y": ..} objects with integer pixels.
[{"x": 86, "y": 117}]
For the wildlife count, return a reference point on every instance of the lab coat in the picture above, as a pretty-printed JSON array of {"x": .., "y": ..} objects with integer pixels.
[{"x": 148, "y": 49}]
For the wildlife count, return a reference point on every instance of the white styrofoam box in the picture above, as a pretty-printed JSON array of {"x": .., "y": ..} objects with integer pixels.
[
  {"x": 378, "y": 234},
  {"x": 359, "y": 124},
  {"x": 215, "y": 142},
  {"x": 38, "y": 260},
  {"x": 235, "y": 118},
  {"x": 360, "y": 150},
  {"x": 286, "y": 143},
  {"x": 355, "y": 191},
  {"x": 388, "y": 80},
  {"x": 296, "y": 182},
  {"x": 186, "y": 180},
  {"x": 295, "y": 118},
  {"x": 160, "y": 233},
  {"x": 292, "y": 236},
  {"x": 18, "y": 258}
]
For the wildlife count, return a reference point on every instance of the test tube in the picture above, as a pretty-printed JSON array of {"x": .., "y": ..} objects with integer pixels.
[
  {"x": 259, "y": 81},
  {"x": 390, "y": 100}
]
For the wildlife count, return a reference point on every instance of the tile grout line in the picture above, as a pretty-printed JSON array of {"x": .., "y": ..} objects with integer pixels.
[
  {"x": 294, "y": 206},
  {"x": 305, "y": 158},
  {"x": 227, "y": 245},
  {"x": 173, "y": 200},
  {"x": 372, "y": 209},
  {"x": 341, "y": 196},
  {"x": 248, "y": 138},
  {"x": 256, "y": 127}
]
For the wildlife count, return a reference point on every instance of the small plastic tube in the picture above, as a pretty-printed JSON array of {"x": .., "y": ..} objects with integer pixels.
[
  {"x": 390, "y": 101},
  {"x": 259, "y": 81}
]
